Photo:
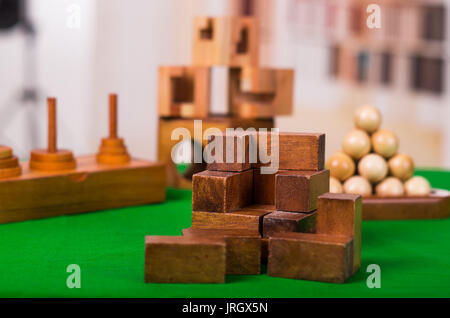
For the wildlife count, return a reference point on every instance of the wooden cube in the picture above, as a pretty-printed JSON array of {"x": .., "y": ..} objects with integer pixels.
[
  {"x": 297, "y": 191},
  {"x": 263, "y": 188},
  {"x": 296, "y": 151},
  {"x": 231, "y": 41},
  {"x": 341, "y": 214},
  {"x": 184, "y": 259},
  {"x": 231, "y": 149},
  {"x": 317, "y": 257},
  {"x": 184, "y": 91},
  {"x": 243, "y": 248},
  {"x": 243, "y": 219},
  {"x": 264, "y": 250},
  {"x": 218, "y": 191},
  {"x": 280, "y": 221}
]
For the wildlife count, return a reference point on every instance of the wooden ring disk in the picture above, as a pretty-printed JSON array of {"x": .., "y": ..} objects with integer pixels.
[
  {"x": 112, "y": 142},
  {"x": 5, "y": 152},
  {"x": 44, "y": 156},
  {"x": 113, "y": 159},
  {"x": 10, "y": 172},
  {"x": 52, "y": 166},
  {"x": 9, "y": 162},
  {"x": 113, "y": 150}
]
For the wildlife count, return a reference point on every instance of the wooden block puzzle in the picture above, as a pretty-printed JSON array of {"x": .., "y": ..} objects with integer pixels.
[
  {"x": 341, "y": 215},
  {"x": 297, "y": 191},
  {"x": 183, "y": 91},
  {"x": 280, "y": 221},
  {"x": 243, "y": 219},
  {"x": 317, "y": 257},
  {"x": 263, "y": 188},
  {"x": 231, "y": 41},
  {"x": 54, "y": 182},
  {"x": 219, "y": 191},
  {"x": 185, "y": 259},
  {"x": 234, "y": 153},
  {"x": 243, "y": 248}
]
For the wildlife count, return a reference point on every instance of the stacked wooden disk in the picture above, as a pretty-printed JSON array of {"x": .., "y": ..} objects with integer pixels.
[
  {"x": 369, "y": 162},
  {"x": 9, "y": 164},
  {"x": 113, "y": 149},
  {"x": 52, "y": 158}
]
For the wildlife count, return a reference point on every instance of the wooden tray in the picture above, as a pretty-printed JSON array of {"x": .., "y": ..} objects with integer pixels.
[{"x": 434, "y": 206}]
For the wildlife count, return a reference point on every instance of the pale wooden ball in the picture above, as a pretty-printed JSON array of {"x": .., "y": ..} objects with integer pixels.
[
  {"x": 356, "y": 143},
  {"x": 390, "y": 187},
  {"x": 401, "y": 166},
  {"x": 335, "y": 186},
  {"x": 373, "y": 167},
  {"x": 341, "y": 166},
  {"x": 417, "y": 186},
  {"x": 385, "y": 143},
  {"x": 367, "y": 118},
  {"x": 358, "y": 185}
]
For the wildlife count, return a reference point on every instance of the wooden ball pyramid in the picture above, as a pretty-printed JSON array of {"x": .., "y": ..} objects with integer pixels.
[
  {"x": 52, "y": 158},
  {"x": 112, "y": 149},
  {"x": 369, "y": 162},
  {"x": 9, "y": 164}
]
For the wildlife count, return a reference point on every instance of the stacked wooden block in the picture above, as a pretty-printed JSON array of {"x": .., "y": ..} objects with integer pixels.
[{"x": 243, "y": 216}]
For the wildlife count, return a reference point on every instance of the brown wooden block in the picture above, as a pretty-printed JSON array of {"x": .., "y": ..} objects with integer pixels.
[
  {"x": 229, "y": 41},
  {"x": 166, "y": 144},
  {"x": 261, "y": 207},
  {"x": 232, "y": 156},
  {"x": 341, "y": 214},
  {"x": 264, "y": 250},
  {"x": 263, "y": 188},
  {"x": 434, "y": 206},
  {"x": 184, "y": 259},
  {"x": 219, "y": 191},
  {"x": 243, "y": 248},
  {"x": 242, "y": 219},
  {"x": 297, "y": 191},
  {"x": 280, "y": 221},
  {"x": 183, "y": 91},
  {"x": 311, "y": 146},
  {"x": 91, "y": 187},
  {"x": 317, "y": 257}
]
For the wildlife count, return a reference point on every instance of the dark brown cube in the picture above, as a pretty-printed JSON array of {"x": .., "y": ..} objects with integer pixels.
[
  {"x": 297, "y": 191},
  {"x": 232, "y": 156},
  {"x": 179, "y": 259},
  {"x": 219, "y": 191},
  {"x": 243, "y": 248},
  {"x": 317, "y": 257},
  {"x": 280, "y": 221}
]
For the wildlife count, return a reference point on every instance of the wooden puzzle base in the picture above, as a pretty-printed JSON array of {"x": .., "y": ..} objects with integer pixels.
[
  {"x": 434, "y": 206},
  {"x": 89, "y": 187}
]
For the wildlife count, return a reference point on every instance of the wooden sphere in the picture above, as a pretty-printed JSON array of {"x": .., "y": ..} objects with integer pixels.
[
  {"x": 417, "y": 186},
  {"x": 341, "y": 166},
  {"x": 367, "y": 118},
  {"x": 401, "y": 166},
  {"x": 335, "y": 186},
  {"x": 356, "y": 143},
  {"x": 385, "y": 143},
  {"x": 390, "y": 187},
  {"x": 373, "y": 167},
  {"x": 358, "y": 185}
]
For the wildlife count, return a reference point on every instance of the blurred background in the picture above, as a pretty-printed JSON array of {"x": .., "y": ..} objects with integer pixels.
[{"x": 81, "y": 50}]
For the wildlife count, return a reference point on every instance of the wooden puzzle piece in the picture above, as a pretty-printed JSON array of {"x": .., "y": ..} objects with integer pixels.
[
  {"x": 296, "y": 151},
  {"x": 219, "y": 191},
  {"x": 243, "y": 248},
  {"x": 184, "y": 91},
  {"x": 243, "y": 219},
  {"x": 297, "y": 191},
  {"x": 280, "y": 221},
  {"x": 317, "y": 257},
  {"x": 184, "y": 259},
  {"x": 234, "y": 152},
  {"x": 231, "y": 41},
  {"x": 263, "y": 188},
  {"x": 341, "y": 214}
]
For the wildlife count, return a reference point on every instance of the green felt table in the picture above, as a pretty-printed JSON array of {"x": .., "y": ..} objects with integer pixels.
[{"x": 414, "y": 256}]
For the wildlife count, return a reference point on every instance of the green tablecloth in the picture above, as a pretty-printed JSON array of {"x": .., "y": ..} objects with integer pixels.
[{"x": 414, "y": 256}]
